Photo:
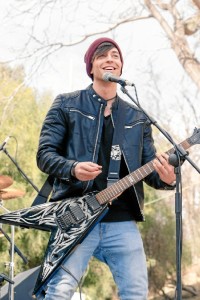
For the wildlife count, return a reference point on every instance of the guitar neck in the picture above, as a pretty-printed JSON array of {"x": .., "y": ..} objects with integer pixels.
[{"x": 111, "y": 192}]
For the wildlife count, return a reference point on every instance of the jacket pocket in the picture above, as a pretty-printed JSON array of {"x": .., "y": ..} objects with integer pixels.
[{"x": 134, "y": 133}]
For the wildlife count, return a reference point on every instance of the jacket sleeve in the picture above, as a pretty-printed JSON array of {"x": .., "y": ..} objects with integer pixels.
[
  {"x": 149, "y": 153},
  {"x": 50, "y": 158}
]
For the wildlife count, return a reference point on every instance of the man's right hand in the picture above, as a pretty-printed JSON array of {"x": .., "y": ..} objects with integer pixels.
[{"x": 85, "y": 171}]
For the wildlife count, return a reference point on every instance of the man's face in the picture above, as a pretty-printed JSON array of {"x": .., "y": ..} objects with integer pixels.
[{"x": 107, "y": 62}]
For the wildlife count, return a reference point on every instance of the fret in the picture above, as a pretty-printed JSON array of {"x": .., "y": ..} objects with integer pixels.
[
  {"x": 98, "y": 197},
  {"x": 114, "y": 193},
  {"x": 128, "y": 184},
  {"x": 116, "y": 186},
  {"x": 137, "y": 175},
  {"x": 109, "y": 193},
  {"x": 185, "y": 145},
  {"x": 150, "y": 167},
  {"x": 144, "y": 169},
  {"x": 131, "y": 179},
  {"x": 103, "y": 197},
  {"x": 125, "y": 183},
  {"x": 124, "y": 187},
  {"x": 139, "y": 170}
]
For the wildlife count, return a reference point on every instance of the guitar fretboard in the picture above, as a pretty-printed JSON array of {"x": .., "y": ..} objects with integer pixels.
[{"x": 111, "y": 192}]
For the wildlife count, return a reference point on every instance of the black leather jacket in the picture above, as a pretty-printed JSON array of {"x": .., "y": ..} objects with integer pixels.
[{"x": 72, "y": 132}]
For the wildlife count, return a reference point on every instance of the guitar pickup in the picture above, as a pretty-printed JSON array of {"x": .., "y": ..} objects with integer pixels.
[
  {"x": 71, "y": 218},
  {"x": 93, "y": 203},
  {"x": 77, "y": 213}
]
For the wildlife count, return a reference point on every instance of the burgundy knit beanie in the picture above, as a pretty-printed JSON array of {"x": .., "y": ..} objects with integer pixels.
[{"x": 90, "y": 52}]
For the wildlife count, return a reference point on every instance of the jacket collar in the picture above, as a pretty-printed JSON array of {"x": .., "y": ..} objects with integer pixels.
[{"x": 98, "y": 98}]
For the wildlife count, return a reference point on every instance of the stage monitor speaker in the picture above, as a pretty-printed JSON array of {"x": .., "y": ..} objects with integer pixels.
[{"x": 23, "y": 285}]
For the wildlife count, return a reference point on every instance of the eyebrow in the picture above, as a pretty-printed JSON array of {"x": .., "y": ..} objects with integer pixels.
[{"x": 115, "y": 51}]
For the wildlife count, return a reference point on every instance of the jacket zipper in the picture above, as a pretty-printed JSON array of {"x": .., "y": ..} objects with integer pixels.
[
  {"x": 112, "y": 120},
  {"x": 80, "y": 112},
  {"x": 133, "y": 185},
  {"x": 131, "y": 126},
  {"x": 95, "y": 146}
]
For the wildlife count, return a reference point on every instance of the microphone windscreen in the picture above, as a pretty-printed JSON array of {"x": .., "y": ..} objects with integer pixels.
[{"x": 106, "y": 76}]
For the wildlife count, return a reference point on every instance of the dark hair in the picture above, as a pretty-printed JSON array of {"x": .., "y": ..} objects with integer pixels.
[{"x": 101, "y": 49}]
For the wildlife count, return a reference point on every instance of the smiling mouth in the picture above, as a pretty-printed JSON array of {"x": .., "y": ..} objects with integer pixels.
[{"x": 109, "y": 69}]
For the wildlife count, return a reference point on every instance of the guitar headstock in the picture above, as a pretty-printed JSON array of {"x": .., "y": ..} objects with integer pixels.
[{"x": 195, "y": 138}]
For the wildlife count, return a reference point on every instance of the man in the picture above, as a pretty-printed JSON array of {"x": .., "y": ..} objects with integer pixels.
[{"x": 75, "y": 146}]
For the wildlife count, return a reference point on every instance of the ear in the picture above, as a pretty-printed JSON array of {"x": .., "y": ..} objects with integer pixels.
[{"x": 91, "y": 72}]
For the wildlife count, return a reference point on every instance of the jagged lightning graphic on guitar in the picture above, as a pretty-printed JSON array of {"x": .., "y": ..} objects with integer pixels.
[{"x": 70, "y": 220}]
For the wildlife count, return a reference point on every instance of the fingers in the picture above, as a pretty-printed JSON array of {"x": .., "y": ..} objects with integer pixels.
[
  {"x": 85, "y": 171},
  {"x": 164, "y": 169},
  {"x": 161, "y": 163}
]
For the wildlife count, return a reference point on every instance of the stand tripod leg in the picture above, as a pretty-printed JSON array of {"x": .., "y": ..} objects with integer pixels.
[{"x": 11, "y": 274}]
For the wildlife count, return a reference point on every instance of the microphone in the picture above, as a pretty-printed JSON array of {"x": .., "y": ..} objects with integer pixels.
[
  {"x": 113, "y": 78},
  {"x": 4, "y": 143}
]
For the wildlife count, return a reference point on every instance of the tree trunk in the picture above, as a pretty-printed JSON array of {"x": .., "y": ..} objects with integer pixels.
[{"x": 178, "y": 43}]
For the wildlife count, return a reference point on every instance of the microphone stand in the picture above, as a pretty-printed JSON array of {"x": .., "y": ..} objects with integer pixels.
[
  {"x": 16, "y": 249},
  {"x": 13, "y": 249},
  {"x": 18, "y": 168},
  {"x": 174, "y": 159}
]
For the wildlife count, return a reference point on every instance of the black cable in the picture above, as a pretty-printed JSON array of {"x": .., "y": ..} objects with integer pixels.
[{"x": 78, "y": 283}]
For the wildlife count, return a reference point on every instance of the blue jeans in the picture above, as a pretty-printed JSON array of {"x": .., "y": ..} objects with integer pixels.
[{"x": 119, "y": 245}]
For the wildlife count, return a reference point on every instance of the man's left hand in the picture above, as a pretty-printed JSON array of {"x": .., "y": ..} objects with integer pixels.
[{"x": 164, "y": 169}]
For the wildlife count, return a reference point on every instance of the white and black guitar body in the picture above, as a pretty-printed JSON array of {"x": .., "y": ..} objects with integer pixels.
[
  {"x": 71, "y": 219},
  {"x": 68, "y": 220}
]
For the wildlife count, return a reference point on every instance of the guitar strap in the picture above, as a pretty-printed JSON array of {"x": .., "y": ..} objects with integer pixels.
[
  {"x": 44, "y": 192},
  {"x": 116, "y": 149},
  {"x": 115, "y": 155}
]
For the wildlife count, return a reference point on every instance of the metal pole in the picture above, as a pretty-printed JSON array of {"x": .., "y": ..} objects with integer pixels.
[
  {"x": 11, "y": 274},
  {"x": 11, "y": 263}
]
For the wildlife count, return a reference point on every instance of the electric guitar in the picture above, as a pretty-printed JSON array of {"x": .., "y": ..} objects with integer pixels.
[{"x": 71, "y": 219}]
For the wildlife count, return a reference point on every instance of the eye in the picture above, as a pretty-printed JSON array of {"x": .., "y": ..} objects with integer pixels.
[{"x": 101, "y": 55}]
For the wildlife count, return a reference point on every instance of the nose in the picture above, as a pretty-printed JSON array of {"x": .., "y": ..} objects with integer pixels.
[{"x": 109, "y": 57}]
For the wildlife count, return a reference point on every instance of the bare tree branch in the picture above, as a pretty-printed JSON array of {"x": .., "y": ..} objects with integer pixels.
[{"x": 57, "y": 46}]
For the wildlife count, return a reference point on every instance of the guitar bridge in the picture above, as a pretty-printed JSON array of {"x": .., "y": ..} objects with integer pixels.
[{"x": 71, "y": 218}]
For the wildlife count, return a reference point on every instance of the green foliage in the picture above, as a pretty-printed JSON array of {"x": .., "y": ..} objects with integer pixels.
[
  {"x": 21, "y": 117},
  {"x": 36, "y": 243},
  {"x": 159, "y": 237},
  {"x": 98, "y": 282}
]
